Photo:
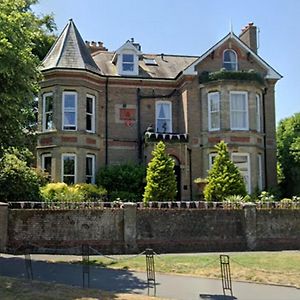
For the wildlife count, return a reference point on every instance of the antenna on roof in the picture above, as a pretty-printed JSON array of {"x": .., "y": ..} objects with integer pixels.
[{"x": 231, "y": 27}]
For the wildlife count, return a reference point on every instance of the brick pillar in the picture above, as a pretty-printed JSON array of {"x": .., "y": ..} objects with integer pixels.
[
  {"x": 130, "y": 227},
  {"x": 250, "y": 225},
  {"x": 3, "y": 226}
]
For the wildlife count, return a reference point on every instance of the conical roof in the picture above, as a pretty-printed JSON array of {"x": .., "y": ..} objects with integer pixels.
[{"x": 69, "y": 51}]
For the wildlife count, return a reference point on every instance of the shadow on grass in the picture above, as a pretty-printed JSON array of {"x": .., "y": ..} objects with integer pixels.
[
  {"x": 120, "y": 281},
  {"x": 216, "y": 297}
]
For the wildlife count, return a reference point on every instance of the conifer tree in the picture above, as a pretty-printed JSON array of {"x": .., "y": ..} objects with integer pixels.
[
  {"x": 161, "y": 179},
  {"x": 224, "y": 177}
]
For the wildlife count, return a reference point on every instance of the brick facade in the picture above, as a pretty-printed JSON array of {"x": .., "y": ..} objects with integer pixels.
[{"x": 125, "y": 107}]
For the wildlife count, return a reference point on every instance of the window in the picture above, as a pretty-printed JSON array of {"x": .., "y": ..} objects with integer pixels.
[
  {"x": 163, "y": 116},
  {"x": 230, "y": 60},
  {"x": 260, "y": 175},
  {"x": 47, "y": 164},
  {"x": 69, "y": 168},
  {"x": 214, "y": 111},
  {"x": 239, "y": 111},
  {"x": 90, "y": 169},
  {"x": 69, "y": 111},
  {"x": 90, "y": 113},
  {"x": 258, "y": 113},
  {"x": 241, "y": 160},
  {"x": 211, "y": 160},
  {"x": 150, "y": 62},
  {"x": 127, "y": 62},
  {"x": 48, "y": 112}
]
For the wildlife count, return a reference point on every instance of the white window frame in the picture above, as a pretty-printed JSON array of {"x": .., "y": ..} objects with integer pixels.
[
  {"x": 43, "y": 156},
  {"x": 258, "y": 112},
  {"x": 260, "y": 172},
  {"x": 135, "y": 63},
  {"x": 230, "y": 62},
  {"x": 62, "y": 166},
  {"x": 156, "y": 115},
  {"x": 91, "y": 114},
  {"x": 210, "y": 98},
  {"x": 93, "y": 157},
  {"x": 63, "y": 111},
  {"x": 45, "y": 113},
  {"x": 211, "y": 158},
  {"x": 248, "y": 184},
  {"x": 232, "y": 111}
]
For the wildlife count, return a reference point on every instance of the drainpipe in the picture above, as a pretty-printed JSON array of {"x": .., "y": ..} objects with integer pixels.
[
  {"x": 106, "y": 122},
  {"x": 191, "y": 177},
  {"x": 139, "y": 135},
  {"x": 265, "y": 136}
]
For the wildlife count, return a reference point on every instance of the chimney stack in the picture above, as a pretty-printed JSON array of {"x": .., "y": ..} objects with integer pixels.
[{"x": 249, "y": 36}]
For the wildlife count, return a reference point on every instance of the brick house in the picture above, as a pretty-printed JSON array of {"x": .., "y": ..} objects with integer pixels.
[{"x": 98, "y": 107}]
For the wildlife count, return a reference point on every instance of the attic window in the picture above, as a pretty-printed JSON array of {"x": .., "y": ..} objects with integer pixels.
[
  {"x": 127, "y": 62},
  {"x": 230, "y": 60},
  {"x": 150, "y": 61}
]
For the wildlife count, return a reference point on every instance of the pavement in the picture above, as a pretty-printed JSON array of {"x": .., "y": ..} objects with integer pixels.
[{"x": 125, "y": 281}]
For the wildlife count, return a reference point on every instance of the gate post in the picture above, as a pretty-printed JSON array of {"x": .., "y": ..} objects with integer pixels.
[
  {"x": 130, "y": 227},
  {"x": 250, "y": 225},
  {"x": 3, "y": 226}
]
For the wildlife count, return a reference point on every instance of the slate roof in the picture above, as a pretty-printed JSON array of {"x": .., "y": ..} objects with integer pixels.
[
  {"x": 167, "y": 66},
  {"x": 69, "y": 51}
]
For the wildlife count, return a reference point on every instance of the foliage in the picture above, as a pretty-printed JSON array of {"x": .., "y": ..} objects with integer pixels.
[
  {"x": 18, "y": 182},
  {"x": 124, "y": 196},
  {"x": 251, "y": 75},
  {"x": 288, "y": 154},
  {"x": 161, "y": 180},
  {"x": 200, "y": 180},
  {"x": 265, "y": 197},
  {"x": 125, "y": 180},
  {"x": 21, "y": 35},
  {"x": 224, "y": 178},
  {"x": 61, "y": 192},
  {"x": 235, "y": 198}
]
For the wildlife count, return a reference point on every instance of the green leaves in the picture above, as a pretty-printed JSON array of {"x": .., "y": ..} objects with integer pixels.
[
  {"x": 161, "y": 180},
  {"x": 21, "y": 33},
  {"x": 288, "y": 154},
  {"x": 224, "y": 178}
]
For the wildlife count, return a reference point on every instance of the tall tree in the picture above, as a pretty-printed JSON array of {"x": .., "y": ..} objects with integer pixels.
[
  {"x": 161, "y": 179},
  {"x": 288, "y": 154},
  {"x": 24, "y": 38},
  {"x": 224, "y": 178}
]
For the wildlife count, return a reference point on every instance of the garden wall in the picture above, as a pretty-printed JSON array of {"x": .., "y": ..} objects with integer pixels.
[{"x": 131, "y": 230}]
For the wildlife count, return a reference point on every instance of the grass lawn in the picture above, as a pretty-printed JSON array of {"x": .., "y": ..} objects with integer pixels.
[
  {"x": 12, "y": 289},
  {"x": 262, "y": 267}
]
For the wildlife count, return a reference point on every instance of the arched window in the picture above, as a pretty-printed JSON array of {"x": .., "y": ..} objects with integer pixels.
[{"x": 230, "y": 60}]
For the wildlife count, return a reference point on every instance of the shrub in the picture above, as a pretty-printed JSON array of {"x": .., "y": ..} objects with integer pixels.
[
  {"x": 61, "y": 192},
  {"x": 265, "y": 197},
  {"x": 224, "y": 178},
  {"x": 18, "y": 182},
  {"x": 161, "y": 179},
  {"x": 127, "y": 179}
]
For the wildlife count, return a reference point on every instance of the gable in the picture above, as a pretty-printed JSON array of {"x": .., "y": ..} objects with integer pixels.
[{"x": 246, "y": 57}]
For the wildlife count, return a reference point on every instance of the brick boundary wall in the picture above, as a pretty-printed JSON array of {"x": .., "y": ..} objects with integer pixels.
[{"x": 130, "y": 229}]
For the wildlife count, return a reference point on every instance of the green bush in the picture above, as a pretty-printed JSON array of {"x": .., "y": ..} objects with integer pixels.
[
  {"x": 61, "y": 192},
  {"x": 161, "y": 179},
  {"x": 123, "y": 180},
  {"x": 18, "y": 182},
  {"x": 224, "y": 178}
]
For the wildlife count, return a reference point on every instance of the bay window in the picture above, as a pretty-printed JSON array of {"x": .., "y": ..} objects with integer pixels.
[
  {"x": 69, "y": 168},
  {"x": 214, "y": 111},
  {"x": 48, "y": 111},
  {"x": 69, "y": 111},
  {"x": 239, "y": 111}
]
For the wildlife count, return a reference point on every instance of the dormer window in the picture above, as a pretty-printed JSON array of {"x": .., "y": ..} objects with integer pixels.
[
  {"x": 126, "y": 59},
  {"x": 230, "y": 62},
  {"x": 127, "y": 62}
]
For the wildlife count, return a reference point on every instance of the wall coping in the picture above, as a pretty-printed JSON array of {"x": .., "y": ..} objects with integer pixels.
[{"x": 3, "y": 204}]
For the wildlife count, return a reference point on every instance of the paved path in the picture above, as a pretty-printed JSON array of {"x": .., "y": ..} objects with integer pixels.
[{"x": 124, "y": 281}]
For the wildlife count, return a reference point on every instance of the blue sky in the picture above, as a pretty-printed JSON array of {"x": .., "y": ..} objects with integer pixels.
[{"x": 191, "y": 27}]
